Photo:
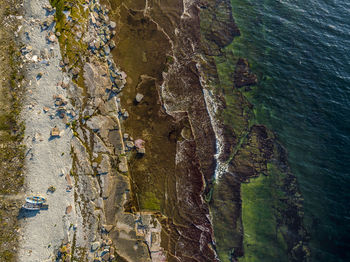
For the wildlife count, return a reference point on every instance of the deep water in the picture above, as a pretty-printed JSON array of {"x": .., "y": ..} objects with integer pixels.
[{"x": 301, "y": 52}]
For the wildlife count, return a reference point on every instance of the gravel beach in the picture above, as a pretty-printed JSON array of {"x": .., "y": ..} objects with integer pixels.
[{"x": 48, "y": 159}]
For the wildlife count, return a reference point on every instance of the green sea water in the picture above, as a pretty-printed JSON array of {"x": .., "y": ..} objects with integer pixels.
[{"x": 300, "y": 52}]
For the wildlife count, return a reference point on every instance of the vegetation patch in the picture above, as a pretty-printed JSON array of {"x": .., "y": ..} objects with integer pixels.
[{"x": 11, "y": 131}]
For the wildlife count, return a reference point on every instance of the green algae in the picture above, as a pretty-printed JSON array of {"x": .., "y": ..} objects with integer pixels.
[
  {"x": 150, "y": 202},
  {"x": 263, "y": 239}
]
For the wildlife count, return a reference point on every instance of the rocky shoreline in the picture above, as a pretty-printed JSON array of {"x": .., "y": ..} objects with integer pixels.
[{"x": 152, "y": 171}]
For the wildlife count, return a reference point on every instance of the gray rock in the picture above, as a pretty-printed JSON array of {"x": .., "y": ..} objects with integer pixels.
[
  {"x": 96, "y": 79},
  {"x": 95, "y": 246},
  {"x": 101, "y": 124},
  {"x": 139, "y": 97}
]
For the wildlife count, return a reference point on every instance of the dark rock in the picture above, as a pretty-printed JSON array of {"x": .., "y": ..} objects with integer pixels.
[{"x": 243, "y": 75}]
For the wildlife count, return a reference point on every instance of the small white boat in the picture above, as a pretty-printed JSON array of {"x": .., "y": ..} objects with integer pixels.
[{"x": 34, "y": 203}]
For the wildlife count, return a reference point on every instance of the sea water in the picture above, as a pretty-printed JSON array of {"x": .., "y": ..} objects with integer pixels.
[{"x": 300, "y": 49}]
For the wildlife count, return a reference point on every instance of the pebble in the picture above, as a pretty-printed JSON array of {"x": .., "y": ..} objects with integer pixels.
[
  {"x": 141, "y": 150},
  {"x": 112, "y": 44},
  {"x": 112, "y": 24},
  {"x": 52, "y": 38},
  {"x": 35, "y": 58},
  {"x": 95, "y": 246},
  {"x": 107, "y": 49},
  {"x": 130, "y": 144},
  {"x": 139, "y": 97}
]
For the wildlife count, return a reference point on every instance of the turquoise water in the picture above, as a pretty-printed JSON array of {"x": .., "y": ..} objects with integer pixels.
[{"x": 301, "y": 53}]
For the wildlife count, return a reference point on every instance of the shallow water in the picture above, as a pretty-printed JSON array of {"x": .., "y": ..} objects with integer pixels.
[{"x": 300, "y": 50}]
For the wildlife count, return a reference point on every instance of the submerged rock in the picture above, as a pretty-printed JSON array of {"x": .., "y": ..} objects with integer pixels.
[
  {"x": 243, "y": 75},
  {"x": 139, "y": 97}
]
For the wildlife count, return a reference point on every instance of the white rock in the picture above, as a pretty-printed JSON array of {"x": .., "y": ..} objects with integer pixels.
[
  {"x": 139, "y": 97},
  {"x": 112, "y": 24}
]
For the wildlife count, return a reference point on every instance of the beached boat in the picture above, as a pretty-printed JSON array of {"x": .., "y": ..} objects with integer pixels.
[{"x": 34, "y": 202}]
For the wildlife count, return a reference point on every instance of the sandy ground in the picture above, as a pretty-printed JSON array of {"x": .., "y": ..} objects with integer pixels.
[{"x": 47, "y": 160}]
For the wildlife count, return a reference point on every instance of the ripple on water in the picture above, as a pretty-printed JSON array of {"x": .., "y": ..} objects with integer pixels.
[{"x": 300, "y": 51}]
